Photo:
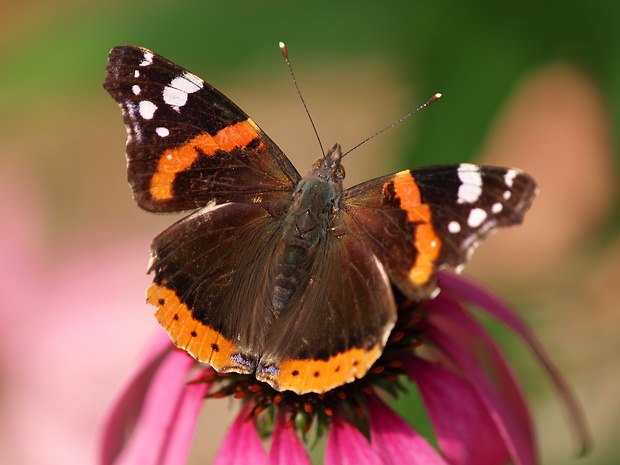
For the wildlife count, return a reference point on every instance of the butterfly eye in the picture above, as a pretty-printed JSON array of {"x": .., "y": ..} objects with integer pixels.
[{"x": 340, "y": 174}]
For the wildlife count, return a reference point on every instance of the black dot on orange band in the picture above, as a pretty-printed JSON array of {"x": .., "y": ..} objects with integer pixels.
[
  {"x": 194, "y": 333},
  {"x": 295, "y": 373},
  {"x": 356, "y": 363},
  {"x": 215, "y": 347},
  {"x": 175, "y": 317},
  {"x": 316, "y": 374},
  {"x": 337, "y": 369},
  {"x": 161, "y": 301}
]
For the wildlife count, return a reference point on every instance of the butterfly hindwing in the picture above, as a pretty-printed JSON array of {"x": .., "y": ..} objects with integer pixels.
[
  {"x": 418, "y": 221},
  {"x": 212, "y": 265},
  {"x": 213, "y": 287},
  {"x": 188, "y": 144},
  {"x": 335, "y": 330}
]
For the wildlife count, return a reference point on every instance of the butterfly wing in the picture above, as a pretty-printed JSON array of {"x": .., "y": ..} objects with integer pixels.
[
  {"x": 210, "y": 283},
  {"x": 188, "y": 144},
  {"x": 333, "y": 331},
  {"x": 418, "y": 221},
  {"x": 213, "y": 286}
]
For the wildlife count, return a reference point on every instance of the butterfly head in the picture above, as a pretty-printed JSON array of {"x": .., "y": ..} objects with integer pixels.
[{"x": 329, "y": 168}]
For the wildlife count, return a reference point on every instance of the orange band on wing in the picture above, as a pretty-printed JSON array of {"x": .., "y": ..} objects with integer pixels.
[
  {"x": 176, "y": 160},
  {"x": 426, "y": 240},
  {"x": 236, "y": 135},
  {"x": 428, "y": 245},
  {"x": 408, "y": 193},
  {"x": 303, "y": 376},
  {"x": 201, "y": 341}
]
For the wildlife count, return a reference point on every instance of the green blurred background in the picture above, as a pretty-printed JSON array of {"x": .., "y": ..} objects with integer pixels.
[{"x": 508, "y": 72}]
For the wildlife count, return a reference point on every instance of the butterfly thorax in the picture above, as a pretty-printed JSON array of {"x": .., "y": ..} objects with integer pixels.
[{"x": 306, "y": 225}]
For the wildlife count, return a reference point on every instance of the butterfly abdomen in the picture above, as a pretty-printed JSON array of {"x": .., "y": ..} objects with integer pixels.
[{"x": 305, "y": 225}]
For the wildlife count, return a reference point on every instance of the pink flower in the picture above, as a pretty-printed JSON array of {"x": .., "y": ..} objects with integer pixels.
[{"x": 473, "y": 400}]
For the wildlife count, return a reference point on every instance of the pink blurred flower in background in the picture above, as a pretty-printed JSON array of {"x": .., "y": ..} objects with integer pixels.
[{"x": 70, "y": 315}]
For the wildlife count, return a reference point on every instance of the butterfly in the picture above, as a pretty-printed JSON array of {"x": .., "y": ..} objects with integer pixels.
[{"x": 288, "y": 278}]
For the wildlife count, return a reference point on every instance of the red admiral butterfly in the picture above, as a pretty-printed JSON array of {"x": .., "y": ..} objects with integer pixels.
[{"x": 286, "y": 277}]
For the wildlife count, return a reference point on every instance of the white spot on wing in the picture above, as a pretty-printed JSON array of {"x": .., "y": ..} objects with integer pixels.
[
  {"x": 476, "y": 217},
  {"x": 471, "y": 183},
  {"x": 147, "y": 59},
  {"x": 136, "y": 74},
  {"x": 496, "y": 208},
  {"x": 454, "y": 227},
  {"x": 162, "y": 132},
  {"x": 147, "y": 109},
  {"x": 175, "y": 94},
  {"x": 507, "y": 195},
  {"x": 136, "y": 89},
  {"x": 510, "y": 176}
]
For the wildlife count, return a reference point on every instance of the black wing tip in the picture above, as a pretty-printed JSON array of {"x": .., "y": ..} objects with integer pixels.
[{"x": 121, "y": 59}]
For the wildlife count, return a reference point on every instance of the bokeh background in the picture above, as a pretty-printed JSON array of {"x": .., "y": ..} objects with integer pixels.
[{"x": 528, "y": 84}]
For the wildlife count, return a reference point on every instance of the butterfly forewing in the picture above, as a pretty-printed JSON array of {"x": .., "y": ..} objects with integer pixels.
[
  {"x": 187, "y": 143},
  {"x": 418, "y": 221}
]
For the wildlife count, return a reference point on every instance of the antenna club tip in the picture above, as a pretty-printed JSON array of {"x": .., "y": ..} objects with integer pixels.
[
  {"x": 283, "y": 49},
  {"x": 434, "y": 98}
]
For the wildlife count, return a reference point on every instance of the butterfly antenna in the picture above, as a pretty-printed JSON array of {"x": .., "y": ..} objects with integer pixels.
[
  {"x": 290, "y": 68},
  {"x": 428, "y": 102}
]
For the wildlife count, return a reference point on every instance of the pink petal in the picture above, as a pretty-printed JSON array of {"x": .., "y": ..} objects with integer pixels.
[
  {"x": 126, "y": 407},
  {"x": 465, "y": 432},
  {"x": 286, "y": 448},
  {"x": 517, "y": 439},
  {"x": 242, "y": 444},
  {"x": 456, "y": 322},
  {"x": 499, "y": 309},
  {"x": 347, "y": 446},
  {"x": 182, "y": 431},
  {"x": 147, "y": 444},
  {"x": 395, "y": 441}
]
